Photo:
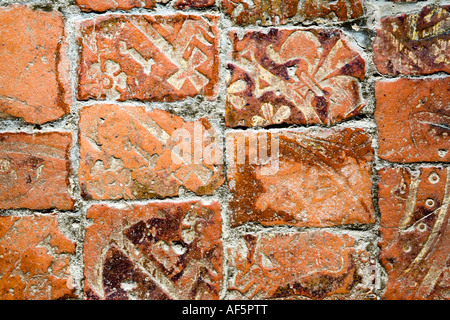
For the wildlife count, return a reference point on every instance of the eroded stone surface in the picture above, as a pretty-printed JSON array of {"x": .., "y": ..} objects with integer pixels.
[
  {"x": 154, "y": 251},
  {"x": 281, "y": 12},
  {"x": 415, "y": 232},
  {"x": 313, "y": 265},
  {"x": 293, "y": 76},
  {"x": 413, "y": 117},
  {"x": 129, "y": 153},
  {"x": 34, "y": 171},
  {"x": 414, "y": 44},
  {"x": 314, "y": 179},
  {"x": 35, "y": 258},
  {"x": 34, "y": 70},
  {"x": 148, "y": 58}
]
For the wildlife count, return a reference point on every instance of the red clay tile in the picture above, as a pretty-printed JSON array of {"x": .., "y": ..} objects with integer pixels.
[
  {"x": 193, "y": 4},
  {"x": 313, "y": 179},
  {"x": 314, "y": 265},
  {"x": 243, "y": 12},
  {"x": 414, "y": 44},
  {"x": 105, "y": 5},
  {"x": 415, "y": 234},
  {"x": 129, "y": 153},
  {"x": 34, "y": 69},
  {"x": 35, "y": 259},
  {"x": 302, "y": 76},
  {"x": 413, "y": 117},
  {"x": 122, "y": 56},
  {"x": 161, "y": 250},
  {"x": 34, "y": 171}
]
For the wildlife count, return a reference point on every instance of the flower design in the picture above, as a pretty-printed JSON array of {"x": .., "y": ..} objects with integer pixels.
[
  {"x": 308, "y": 76},
  {"x": 269, "y": 117}
]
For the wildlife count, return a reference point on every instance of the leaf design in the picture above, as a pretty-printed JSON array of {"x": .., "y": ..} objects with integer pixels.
[
  {"x": 314, "y": 73},
  {"x": 268, "y": 116},
  {"x": 414, "y": 44},
  {"x": 119, "y": 270},
  {"x": 314, "y": 163}
]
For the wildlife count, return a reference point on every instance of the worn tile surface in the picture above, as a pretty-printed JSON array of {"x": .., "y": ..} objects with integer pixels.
[
  {"x": 35, "y": 259},
  {"x": 413, "y": 117},
  {"x": 154, "y": 251},
  {"x": 313, "y": 179},
  {"x": 34, "y": 171},
  {"x": 243, "y": 12},
  {"x": 105, "y": 5},
  {"x": 122, "y": 56},
  {"x": 313, "y": 265},
  {"x": 414, "y": 44},
  {"x": 415, "y": 235},
  {"x": 129, "y": 153},
  {"x": 34, "y": 70},
  {"x": 112, "y": 5},
  {"x": 193, "y": 4},
  {"x": 302, "y": 76}
]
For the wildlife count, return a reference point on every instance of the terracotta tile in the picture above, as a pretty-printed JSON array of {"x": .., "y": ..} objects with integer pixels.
[
  {"x": 105, "y": 5},
  {"x": 193, "y": 4},
  {"x": 122, "y": 56},
  {"x": 243, "y": 13},
  {"x": 302, "y": 76},
  {"x": 313, "y": 179},
  {"x": 414, "y": 44},
  {"x": 312, "y": 265},
  {"x": 128, "y": 153},
  {"x": 110, "y": 5},
  {"x": 415, "y": 235},
  {"x": 34, "y": 69},
  {"x": 35, "y": 259},
  {"x": 154, "y": 251},
  {"x": 413, "y": 117},
  {"x": 34, "y": 171}
]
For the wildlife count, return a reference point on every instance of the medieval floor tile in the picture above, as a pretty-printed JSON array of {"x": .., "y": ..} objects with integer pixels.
[
  {"x": 415, "y": 234},
  {"x": 414, "y": 44},
  {"x": 413, "y": 117},
  {"x": 302, "y": 76},
  {"x": 35, "y": 258},
  {"x": 311, "y": 265},
  {"x": 122, "y": 56},
  {"x": 313, "y": 179},
  {"x": 161, "y": 250},
  {"x": 34, "y": 69},
  {"x": 128, "y": 153},
  {"x": 34, "y": 171}
]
